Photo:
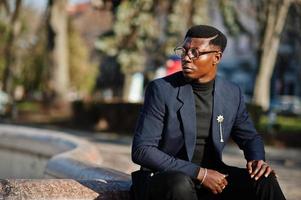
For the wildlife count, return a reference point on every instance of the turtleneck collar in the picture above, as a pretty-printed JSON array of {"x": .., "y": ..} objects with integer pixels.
[{"x": 203, "y": 86}]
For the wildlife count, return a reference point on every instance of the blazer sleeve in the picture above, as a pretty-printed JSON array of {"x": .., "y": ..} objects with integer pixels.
[
  {"x": 148, "y": 135},
  {"x": 245, "y": 134}
]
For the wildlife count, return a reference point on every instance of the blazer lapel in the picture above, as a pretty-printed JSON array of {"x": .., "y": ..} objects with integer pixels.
[
  {"x": 187, "y": 111},
  {"x": 217, "y": 129}
]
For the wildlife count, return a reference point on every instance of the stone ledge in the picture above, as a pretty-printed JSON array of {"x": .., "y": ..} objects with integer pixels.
[
  {"x": 63, "y": 189},
  {"x": 65, "y": 153},
  {"x": 67, "y": 167},
  {"x": 74, "y": 161},
  {"x": 36, "y": 141}
]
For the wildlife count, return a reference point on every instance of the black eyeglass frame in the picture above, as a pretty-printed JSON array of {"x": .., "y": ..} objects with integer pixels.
[{"x": 188, "y": 52}]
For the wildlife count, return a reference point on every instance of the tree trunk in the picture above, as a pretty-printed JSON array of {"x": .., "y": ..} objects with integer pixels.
[
  {"x": 8, "y": 49},
  {"x": 275, "y": 24},
  {"x": 58, "y": 49}
]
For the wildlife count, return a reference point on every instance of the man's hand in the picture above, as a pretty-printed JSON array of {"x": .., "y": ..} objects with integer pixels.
[
  {"x": 257, "y": 168},
  {"x": 214, "y": 181}
]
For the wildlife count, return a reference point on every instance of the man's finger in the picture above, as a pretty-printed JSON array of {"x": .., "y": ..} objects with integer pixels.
[
  {"x": 214, "y": 190},
  {"x": 268, "y": 171},
  {"x": 249, "y": 167},
  {"x": 258, "y": 166},
  {"x": 219, "y": 188},
  {"x": 224, "y": 181},
  {"x": 262, "y": 170}
]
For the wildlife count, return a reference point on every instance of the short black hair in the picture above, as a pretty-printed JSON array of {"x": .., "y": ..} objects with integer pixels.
[{"x": 205, "y": 31}]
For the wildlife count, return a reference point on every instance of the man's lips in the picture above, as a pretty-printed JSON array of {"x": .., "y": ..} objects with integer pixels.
[{"x": 187, "y": 68}]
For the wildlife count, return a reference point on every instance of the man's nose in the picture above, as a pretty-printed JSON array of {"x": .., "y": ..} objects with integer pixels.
[{"x": 186, "y": 58}]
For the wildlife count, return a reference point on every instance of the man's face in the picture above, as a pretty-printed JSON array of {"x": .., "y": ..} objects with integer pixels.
[{"x": 204, "y": 67}]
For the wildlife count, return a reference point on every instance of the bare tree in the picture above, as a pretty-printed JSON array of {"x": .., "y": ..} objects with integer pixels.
[
  {"x": 12, "y": 30},
  {"x": 58, "y": 49},
  {"x": 271, "y": 17},
  {"x": 276, "y": 14}
]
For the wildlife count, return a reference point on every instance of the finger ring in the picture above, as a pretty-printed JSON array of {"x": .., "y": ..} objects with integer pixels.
[{"x": 223, "y": 187}]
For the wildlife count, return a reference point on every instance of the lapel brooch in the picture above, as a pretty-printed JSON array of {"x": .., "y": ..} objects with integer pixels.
[{"x": 220, "y": 120}]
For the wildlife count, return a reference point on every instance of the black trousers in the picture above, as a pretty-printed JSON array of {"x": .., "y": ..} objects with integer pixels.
[{"x": 174, "y": 185}]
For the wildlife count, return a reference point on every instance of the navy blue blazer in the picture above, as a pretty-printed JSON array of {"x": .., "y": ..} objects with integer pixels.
[{"x": 168, "y": 121}]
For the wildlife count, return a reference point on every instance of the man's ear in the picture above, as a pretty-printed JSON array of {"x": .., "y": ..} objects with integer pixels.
[{"x": 217, "y": 57}]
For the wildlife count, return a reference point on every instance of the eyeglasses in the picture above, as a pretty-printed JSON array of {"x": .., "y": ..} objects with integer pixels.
[{"x": 192, "y": 53}]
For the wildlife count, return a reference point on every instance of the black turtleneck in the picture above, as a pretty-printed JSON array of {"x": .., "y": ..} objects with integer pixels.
[{"x": 203, "y": 94}]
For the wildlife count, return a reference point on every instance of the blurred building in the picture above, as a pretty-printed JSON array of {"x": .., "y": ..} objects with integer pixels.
[{"x": 91, "y": 20}]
